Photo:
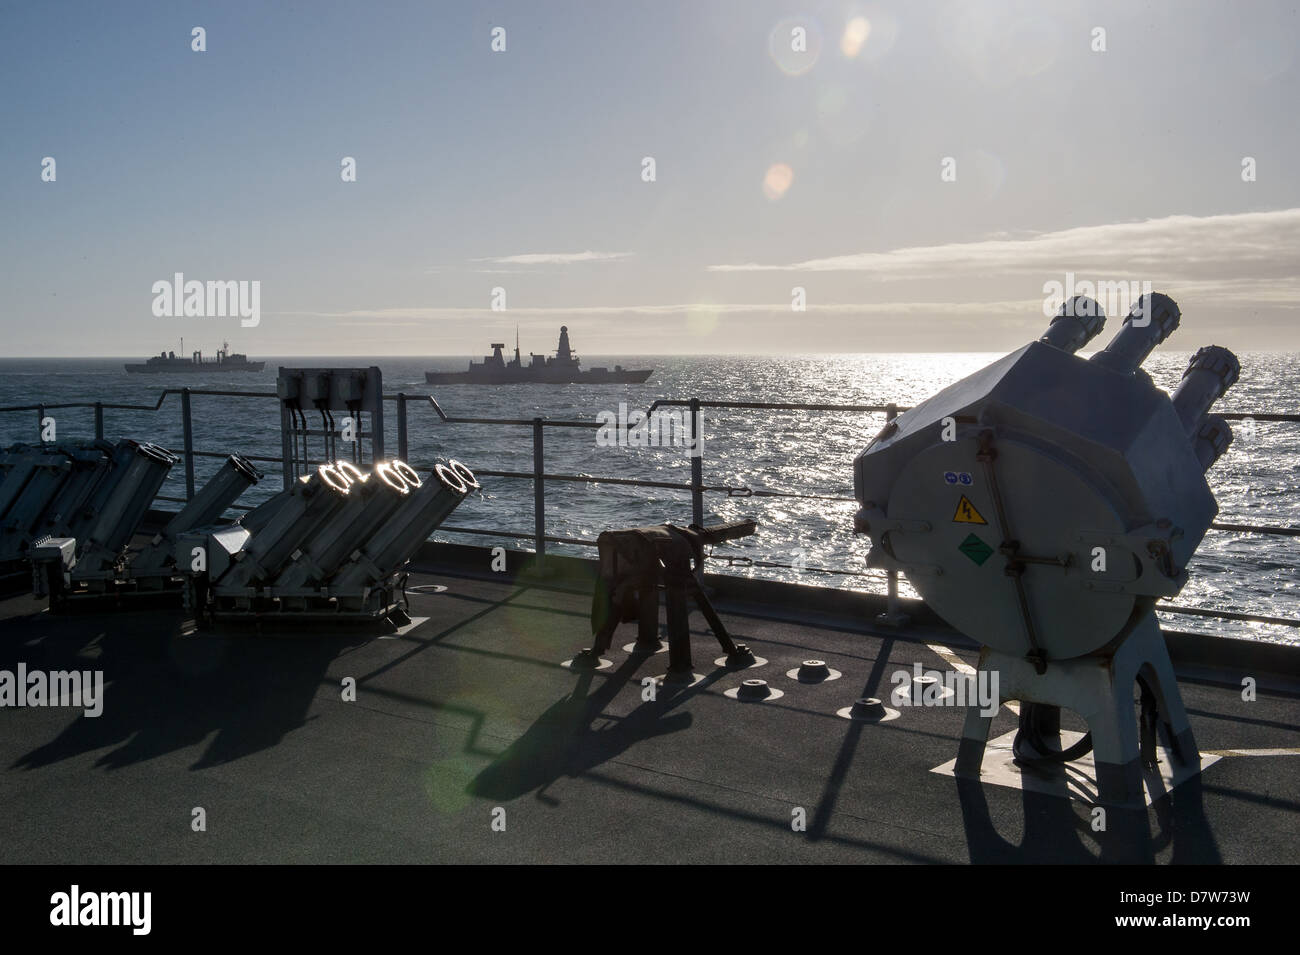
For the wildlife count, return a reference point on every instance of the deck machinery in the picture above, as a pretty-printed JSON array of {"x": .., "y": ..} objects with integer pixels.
[
  {"x": 1042, "y": 505},
  {"x": 71, "y": 511},
  {"x": 332, "y": 545}
]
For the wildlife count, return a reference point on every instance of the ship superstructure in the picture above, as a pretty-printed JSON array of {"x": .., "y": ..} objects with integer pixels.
[
  {"x": 169, "y": 361},
  {"x": 565, "y": 367}
]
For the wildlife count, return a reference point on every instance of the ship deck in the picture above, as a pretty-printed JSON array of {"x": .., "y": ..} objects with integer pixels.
[{"x": 471, "y": 710}]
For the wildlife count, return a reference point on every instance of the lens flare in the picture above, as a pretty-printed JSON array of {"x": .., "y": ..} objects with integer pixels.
[
  {"x": 778, "y": 179},
  {"x": 795, "y": 45},
  {"x": 701, "y": 320},
  {"x": 856, "y": 32}
]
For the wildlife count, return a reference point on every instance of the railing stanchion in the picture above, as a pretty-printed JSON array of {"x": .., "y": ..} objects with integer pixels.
[
  {"x": 287, "y": 447},
  {"x": 697, "y": 465},
  {"x": 376, "y": 432},
  {"x": 895, "y": 614},
  {"x": 892, "y": 611},
  {"x": 401, "y": 426},
  {"x": 539, "y": 490},
  {"x": 187, "y": 425}
]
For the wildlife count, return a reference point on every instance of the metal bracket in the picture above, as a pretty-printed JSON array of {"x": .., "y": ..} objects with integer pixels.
[
  {"x": 874, "y": 521},
  {"x": 1150, "y": 545}
]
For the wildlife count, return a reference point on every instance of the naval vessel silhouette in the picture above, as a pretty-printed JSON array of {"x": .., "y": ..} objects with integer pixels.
[
  {"x": 564, "y": 368},
  {"x": 169, "y": 362}
]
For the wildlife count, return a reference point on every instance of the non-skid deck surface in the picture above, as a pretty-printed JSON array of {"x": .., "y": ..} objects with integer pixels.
[{"x": 471, "y": 714}]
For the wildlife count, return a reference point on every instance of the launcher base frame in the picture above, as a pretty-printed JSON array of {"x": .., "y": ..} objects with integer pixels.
[{"x": 383, "y": 603}]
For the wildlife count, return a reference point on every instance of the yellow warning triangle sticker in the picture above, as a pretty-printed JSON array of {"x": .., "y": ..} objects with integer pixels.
[{"x": 966, "y": 513}]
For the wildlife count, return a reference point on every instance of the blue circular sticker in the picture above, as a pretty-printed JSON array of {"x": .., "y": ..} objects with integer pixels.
[
  {"x": 965, "y": 478},
  {"x": 950, "y": 477}
]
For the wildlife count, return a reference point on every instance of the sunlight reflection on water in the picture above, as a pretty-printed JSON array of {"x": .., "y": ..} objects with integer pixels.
[{"x": 808, "y": 453}]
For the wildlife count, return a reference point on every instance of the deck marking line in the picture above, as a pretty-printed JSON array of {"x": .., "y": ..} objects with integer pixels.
[
  {"x": 405, "y": 629},
  {"x": 964, "y": 668},
  {"x": 1292, "y": 751},
  {"x": 1075, "y": 780}
]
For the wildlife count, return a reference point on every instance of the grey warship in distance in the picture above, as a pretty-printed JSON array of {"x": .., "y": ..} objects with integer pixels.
[
  {"x": 168, "y": 362},
  {"x": 564, "y": 368}
]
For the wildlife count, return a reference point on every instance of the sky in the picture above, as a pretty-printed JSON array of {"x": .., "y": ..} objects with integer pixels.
[{"x": 922, "y": 171}]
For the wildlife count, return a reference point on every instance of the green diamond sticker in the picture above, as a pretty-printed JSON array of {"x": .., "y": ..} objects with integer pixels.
[{"x": 975, "y": 549}]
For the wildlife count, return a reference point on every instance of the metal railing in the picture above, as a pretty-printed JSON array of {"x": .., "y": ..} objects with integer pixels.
[{"x": 539, "y": 476}]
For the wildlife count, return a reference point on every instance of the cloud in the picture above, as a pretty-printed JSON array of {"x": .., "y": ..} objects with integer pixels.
[
  {"x": 373, "y": 324},
  {"x": 1172, "y": 249},
  {"x": 434, "y": 313},
  {"x": 556, "y": 258},
  {"x": 1235, "y": 293}
]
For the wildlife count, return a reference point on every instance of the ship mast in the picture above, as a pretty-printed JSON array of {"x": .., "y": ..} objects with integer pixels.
[{"x": 563, "y": 354}]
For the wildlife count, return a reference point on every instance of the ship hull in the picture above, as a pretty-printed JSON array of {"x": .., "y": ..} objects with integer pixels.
[
  {"x": 530, "y": 377},
  {"x": 191, "y": 368}
]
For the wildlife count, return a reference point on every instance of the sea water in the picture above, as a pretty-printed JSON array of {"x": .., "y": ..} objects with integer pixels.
[{"x": 798, "y": 464}]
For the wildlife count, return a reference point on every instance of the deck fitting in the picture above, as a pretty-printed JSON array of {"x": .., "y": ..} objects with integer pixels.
[
  {"x": 679, "y": 678},
  {"x": 742, "y": 659},
  {"x": 913, "y": 693},
  {"x": 741, "y": 656},
  {"x": 754, "y": 691},
  {"x": 813, "y": 671},
  {"x": 646, "y": 648},
  {"x": 587, "y": 659},
  {"x": 868, "y": 709}
]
